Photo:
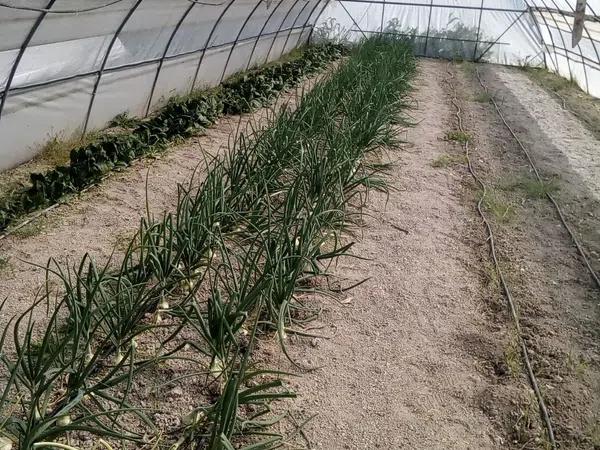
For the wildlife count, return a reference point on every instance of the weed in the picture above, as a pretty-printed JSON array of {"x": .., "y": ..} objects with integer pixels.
[
  {"x": 56, "y": 151},
  {"x": 4, "y": 263},
  {"x": 495, "y": 203},
  {"x": 491, "y": 275},
  {"x": 527, "y": 427},
  {"x": 33, "y": 228},
  {"x": 123, "y": 120},
  {"x": 539, "y": 189},
  {"x": 446, "y": 160},
  {"x": 512, "y": 355},
  {"x": 532, "y": 187},
  {"x": 483, "y": 97},
  {"x": 594, "y": 431},
  {"x": 577, "y": 364},
  {"x": 458, "y": 136},
  {"x": 468, "y": 67}
]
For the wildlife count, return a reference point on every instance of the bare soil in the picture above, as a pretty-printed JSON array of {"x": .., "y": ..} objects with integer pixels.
[{"x": 558, "y": 302}]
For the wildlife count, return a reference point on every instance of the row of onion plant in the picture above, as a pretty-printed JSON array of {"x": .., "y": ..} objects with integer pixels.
[{"x": 200, "y": 285}]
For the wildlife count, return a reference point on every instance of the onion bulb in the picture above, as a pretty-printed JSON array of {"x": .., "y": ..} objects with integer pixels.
[
  {"x": 5, "y": 443},
  {"x": 64, "y": 421},
  {"x": 118, "y": 358},
  {"x": 217, "y": 367},
  {"x": 164, "y": 304},
  {"x": 193, "y": 418}
]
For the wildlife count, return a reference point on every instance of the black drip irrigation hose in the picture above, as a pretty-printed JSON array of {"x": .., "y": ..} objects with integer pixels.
[
  {"x": 511, "y": 303},
  {"x": 557, "y": 207}
]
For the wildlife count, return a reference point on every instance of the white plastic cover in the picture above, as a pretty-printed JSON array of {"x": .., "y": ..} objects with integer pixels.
[
  {"x": 512, "y": 32},
  {"x": 67, "y": 66},
  {"x": 70, "y": 65}
]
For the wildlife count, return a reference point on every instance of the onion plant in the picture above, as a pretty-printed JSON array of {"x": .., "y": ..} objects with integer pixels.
[{"x": 226, "y": 266}]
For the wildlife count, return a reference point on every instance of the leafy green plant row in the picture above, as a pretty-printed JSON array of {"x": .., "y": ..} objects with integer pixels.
[
  {"x": 230, "y": 264},
  {"x": 181, "y": 117}
]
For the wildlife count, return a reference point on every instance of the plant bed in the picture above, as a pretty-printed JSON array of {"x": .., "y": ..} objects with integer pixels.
[{"x": 196, "y": 287}]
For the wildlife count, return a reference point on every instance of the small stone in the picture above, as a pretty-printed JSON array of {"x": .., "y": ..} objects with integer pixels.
[{"x": 176, "y": 391}]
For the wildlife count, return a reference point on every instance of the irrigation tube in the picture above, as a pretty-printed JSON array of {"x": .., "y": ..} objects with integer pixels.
[
  {"x": 511, "y": 303},
  {"x": 539, "y": 178}
]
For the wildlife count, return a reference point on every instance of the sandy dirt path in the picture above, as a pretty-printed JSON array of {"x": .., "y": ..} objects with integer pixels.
[{"x": 401, "y": 371}]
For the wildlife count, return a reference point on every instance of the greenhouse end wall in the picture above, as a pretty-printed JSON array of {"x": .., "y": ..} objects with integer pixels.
[
  {"x": 509, "y": 32},
  {"x": 64, "y": 73}
]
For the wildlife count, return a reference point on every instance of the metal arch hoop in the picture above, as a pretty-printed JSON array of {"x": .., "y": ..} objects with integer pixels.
[
  {"x": 287, "y": 38},
  {"x": 262, "y": 29},
  {"x": 237, "y": 38},
  {"x": 478, "y": 30},
  {"x": 210, "y": 36},
  {"x": 561, "y": 38},
  {"x": 162, "y": 59},
  {"x": 105, "y": 61},
  {"x": 287, "y": 14},
  {"x": 539, "y": 30},
  {"x": 537, "y": 10},
  {"x": 487, "y": 49},
  {"x": 325, "y": 3},
  {"x": 587, "y": 83},
  {"x": 428, "y": 27},
  {"x": 565, "y": 45},
  {"x": 312, "y": 11},
  {"x": 22, "y": 50}
]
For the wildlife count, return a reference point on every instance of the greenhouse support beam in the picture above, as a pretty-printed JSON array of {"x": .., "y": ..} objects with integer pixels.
[
  {"x": 318, "y": 16},
  {"x": 549, "y": 33},
  {"x": 562, "y": 39},
  {"x": 541, "y": 36},
  {"x": 287, "y": 38},
  {"x": 487, "y": 49},
  {"x": 162, "y": 59},
  {"x": 353, "y": 20},
  {"x": 428, "y": 27},
  {"x": 444, "y": 38},
  {"x": 132, "y": 65},
  {"x": 589, "y": 63},
  {"x": 578, "y": 22},
  {"x": 591, "y": 17},
  {"x": 478, "y": 31},
  {"x": 262, "y": 30},
  {"x": 22, "y": 50},
  {"x": 208, "y": 39},
  {"x": 105, "y": 61},
  {"x": 435, "y": 5},
  {"x": 584, "y": 28},
  {"x": 587, "y": 85},
  {"x": 237, "y": 38},
  {"x": 287, "y": 14}
]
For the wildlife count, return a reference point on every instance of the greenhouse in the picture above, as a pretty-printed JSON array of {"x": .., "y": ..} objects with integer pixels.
[{"x": 337, "y": 224}]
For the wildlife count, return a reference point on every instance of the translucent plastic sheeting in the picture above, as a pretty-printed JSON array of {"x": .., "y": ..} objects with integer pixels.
[
  {"x": 64, "y": 72},
  {"x": 511, "y": 32}
]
